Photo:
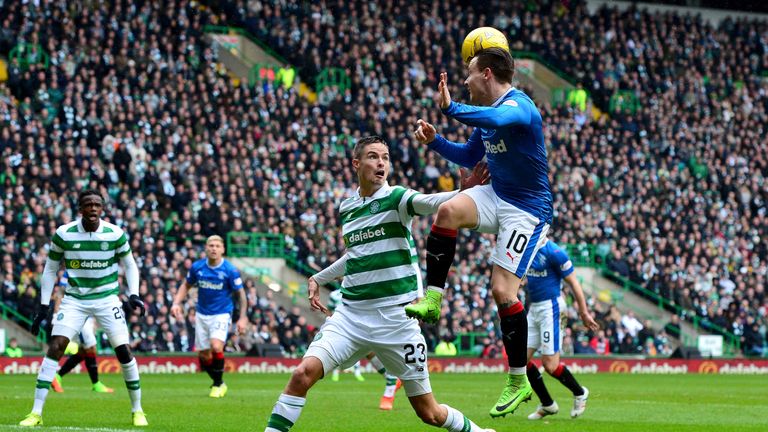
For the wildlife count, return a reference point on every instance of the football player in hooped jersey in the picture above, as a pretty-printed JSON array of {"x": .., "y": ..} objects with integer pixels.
[
  {"x": 517, "y": 205},
  {"x": 216, "y": 279},
  {"x": 550, "y": 267},
  {"x": 378, "y": 280},
  {"x": 91, "y": 250}
]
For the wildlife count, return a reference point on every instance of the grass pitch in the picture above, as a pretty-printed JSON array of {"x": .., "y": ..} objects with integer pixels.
[{"x": 177, "y": 403}]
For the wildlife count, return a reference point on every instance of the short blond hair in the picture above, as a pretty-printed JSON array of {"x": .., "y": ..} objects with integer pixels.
[{"x": 214, "y": 238}]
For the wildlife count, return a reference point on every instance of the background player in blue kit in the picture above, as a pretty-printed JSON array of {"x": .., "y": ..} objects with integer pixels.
[
  {"x": 517, "y": 205},
  {"x": 550, "y": 267},
  {"x": 216, "y": 279}
]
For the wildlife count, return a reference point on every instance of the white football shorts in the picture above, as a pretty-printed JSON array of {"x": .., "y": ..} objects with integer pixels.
[
  {"x": 545, "y": 325},
  {"x": 519, "y": 234},
  {"x": 351, "y": 333},
  {"x": 108, "y": 312},
  {"x": 209, "y": 327}
]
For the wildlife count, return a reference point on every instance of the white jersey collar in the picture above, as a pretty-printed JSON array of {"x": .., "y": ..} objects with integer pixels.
[
  {"x": 501, "y": 98},
  {"x": 383, "y": 190}
]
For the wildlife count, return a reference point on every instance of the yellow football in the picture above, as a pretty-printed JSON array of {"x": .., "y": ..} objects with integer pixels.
[{"x": 482, "y": 38}]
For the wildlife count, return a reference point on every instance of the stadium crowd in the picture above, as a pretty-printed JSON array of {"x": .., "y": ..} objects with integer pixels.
[{"x": 135, "y": 103}]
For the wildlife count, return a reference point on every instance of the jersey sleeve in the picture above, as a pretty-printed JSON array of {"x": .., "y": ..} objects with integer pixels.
[
  {"x": 510, "y": 112},
  {"x": 561, "y": 262},
  {"x": 464, "y": 154},
  {"x": 235, "y": 281},
  {"x": 56, "y": 250},
  {"x": 122, "y": 248},
  {"x": 191, "y": 276}
]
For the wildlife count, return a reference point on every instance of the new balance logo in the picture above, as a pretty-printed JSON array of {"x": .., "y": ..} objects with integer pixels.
[
  {"x": 76, "y": 246},
  {"x": 501, "y": 147}
]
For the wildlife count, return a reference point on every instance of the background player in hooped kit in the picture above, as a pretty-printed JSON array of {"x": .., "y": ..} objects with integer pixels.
[
  {"x": 517, "y": 205},
  {"x": 90, "y": 249},
  {"x": 379, "y": 279},
  {"x": 551, "y": 266},
  {"x": 216, "y": 279}
]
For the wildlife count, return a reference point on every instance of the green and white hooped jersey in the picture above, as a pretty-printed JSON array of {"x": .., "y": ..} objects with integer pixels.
[
  {"x": 90, "y": 258},
  {"x": 380, "y": 268}
]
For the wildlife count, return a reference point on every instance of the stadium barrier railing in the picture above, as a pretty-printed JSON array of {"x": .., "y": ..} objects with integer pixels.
[
  {"x": 248, "y": 244},
  {"x": 27, "y": 54},
  {"x": 7, "y": 312},
  {"x": 209, "y": 28},
  {"x": 585, "y": 255}
]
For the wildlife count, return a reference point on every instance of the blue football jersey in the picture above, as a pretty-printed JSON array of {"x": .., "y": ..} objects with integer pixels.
[
  {"x": 549, "y": 267},
  {"x": 509, "y": 134},
  {"x": 214, "y": 286}
]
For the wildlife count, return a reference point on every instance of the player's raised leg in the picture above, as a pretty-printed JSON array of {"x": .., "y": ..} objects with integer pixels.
[
  {"x": 458, "y": 212},
  {"x": 514, "y": 330}
]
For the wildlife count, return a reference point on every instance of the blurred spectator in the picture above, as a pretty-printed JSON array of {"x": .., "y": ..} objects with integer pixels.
[
  {"x": 13, "y": 350},
  {"x": 673, "y": 327},
  {"x": 600, "y": 343},
  {"x": 446, "y": 347},
  {"x": 583, "y": 346}
]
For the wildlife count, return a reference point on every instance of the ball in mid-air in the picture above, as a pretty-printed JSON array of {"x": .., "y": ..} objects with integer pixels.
[{"x": 482, "y": 38}]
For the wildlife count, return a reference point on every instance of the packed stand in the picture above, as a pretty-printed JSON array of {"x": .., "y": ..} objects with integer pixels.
[
  {"x": 134, "y": 104},
  {"x": 670, "y": 188},
  {"x": 183, "y": 154}
]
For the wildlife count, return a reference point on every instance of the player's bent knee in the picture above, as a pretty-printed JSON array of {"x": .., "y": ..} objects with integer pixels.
[
  {"x": 123, "y": 354},
  {"x": 56, "y": 347},
  {"x": 305, "y": 376},
  {"x": 448, "y": 216}
]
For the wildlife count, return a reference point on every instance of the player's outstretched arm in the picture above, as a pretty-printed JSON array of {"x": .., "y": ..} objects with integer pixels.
[
  {"x": 510, "y": 112},
  {"x": 578, "y": 293},
  {"x": 426, "y": 204},
  {"x": 464, "y": 154}
]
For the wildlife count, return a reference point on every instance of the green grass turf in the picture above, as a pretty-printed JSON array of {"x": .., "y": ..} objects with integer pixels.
[{"x": 178, "y": 403}]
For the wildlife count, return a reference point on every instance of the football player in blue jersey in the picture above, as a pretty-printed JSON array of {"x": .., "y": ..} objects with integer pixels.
[
  {"x": 216, "y": 279},
  {"x": 517, "y": 205},
  {"x": 550, "y": 267}
]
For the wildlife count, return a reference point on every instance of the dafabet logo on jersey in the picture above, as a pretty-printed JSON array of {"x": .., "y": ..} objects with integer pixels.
[
  {"x": 88, "y": 264},
  {"x": 364, "y": 235}
]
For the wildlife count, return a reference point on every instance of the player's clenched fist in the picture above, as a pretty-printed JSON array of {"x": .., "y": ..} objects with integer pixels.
[{"x": 425, "y": 132}]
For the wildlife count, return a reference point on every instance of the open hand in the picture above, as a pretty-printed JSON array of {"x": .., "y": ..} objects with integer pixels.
[
  {"x": 480, "y": 175},
  {"x": 313, "y": 290},
  {"x": 442, "y": 89},
  {"x": 590, "y": 322}
]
